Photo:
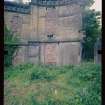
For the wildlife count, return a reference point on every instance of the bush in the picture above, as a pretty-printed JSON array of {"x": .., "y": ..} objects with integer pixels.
[{"x": 9, "y": 49}]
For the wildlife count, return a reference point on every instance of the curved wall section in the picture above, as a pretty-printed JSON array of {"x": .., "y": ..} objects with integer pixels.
[{"x": 54, "y": 30}]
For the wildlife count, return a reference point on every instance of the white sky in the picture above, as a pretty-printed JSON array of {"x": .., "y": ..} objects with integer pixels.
[{"x": 97, "y": 5}]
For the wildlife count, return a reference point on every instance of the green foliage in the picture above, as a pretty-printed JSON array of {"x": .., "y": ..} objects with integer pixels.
[
  {"x": 92, "y": 29},
  {"x": 9, "y": 39},
  {"x": 30, "y": 84}
]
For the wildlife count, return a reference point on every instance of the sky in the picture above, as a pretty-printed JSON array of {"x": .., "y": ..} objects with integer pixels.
[{"x": 97, "y": 5}]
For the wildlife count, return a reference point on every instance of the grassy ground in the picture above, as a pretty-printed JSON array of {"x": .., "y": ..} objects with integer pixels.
[{"x": 49, "y": 85}]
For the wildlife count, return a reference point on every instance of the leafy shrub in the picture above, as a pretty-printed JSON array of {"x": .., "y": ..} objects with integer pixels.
[
  {"x": 40, "y": 73},
  {"x": 9, "y": 39}
]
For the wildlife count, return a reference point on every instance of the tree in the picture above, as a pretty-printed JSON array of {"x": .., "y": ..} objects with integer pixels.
[{"x": 92, "y": 29}]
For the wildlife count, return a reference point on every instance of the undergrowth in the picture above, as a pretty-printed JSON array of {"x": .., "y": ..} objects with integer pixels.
[{"x": 30, "y": 84}]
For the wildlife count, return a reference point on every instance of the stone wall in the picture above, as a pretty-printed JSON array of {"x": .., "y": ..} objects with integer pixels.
[
  {"x": 64, "y": 22},
  {"x": 69, "y": 53},
  {"x": 20, "y": 56},
  {"x": 50, "y": 53}
]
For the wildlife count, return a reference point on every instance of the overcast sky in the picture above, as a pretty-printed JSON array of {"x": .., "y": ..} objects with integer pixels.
[{"x": 97, "y": 5}]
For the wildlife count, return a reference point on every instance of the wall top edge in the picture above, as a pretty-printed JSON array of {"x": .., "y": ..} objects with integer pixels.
[{"x": 42, "y": 3}]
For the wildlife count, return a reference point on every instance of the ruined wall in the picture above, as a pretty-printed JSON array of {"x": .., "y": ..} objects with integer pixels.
[
  {"x": 13, "y": 21},
  {"x": 69, "y": 22},
  {"x": 18, "y": 23},
  {"x": 70, "y": 53},
  {"x": 64, "y": 22},
  {"x": 61, "y": 53},
  {"x": 20, "y": 56}
]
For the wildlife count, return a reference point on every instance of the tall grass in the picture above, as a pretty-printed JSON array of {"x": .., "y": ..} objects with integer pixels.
[{"x": 30, "y": 84}]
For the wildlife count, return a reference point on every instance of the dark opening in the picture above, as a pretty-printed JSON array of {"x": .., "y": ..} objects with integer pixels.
[
  {"x": 5, "y": 52},
  {"x": 50, "y": 36},
  {"x": 99, "y": 52}
]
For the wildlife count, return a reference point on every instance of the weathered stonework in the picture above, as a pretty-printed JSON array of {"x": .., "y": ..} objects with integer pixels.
[{"x": 63, "y": 22}]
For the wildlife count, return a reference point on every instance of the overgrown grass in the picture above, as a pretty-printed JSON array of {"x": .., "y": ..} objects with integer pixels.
[{"x": 30, "y": 84}]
